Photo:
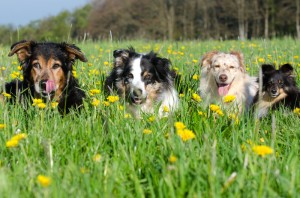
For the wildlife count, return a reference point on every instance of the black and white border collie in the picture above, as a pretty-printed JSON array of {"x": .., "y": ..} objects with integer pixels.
[
  {"x": 278, "y": 88},
  {"x": 143, "y": 80}
]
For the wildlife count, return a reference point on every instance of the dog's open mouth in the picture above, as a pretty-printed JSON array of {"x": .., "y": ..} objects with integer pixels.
[
  {"x": 223, "y": 88},
  {"x": 136, "y": 100}
]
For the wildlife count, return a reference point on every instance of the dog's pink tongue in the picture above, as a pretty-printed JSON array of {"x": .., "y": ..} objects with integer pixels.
[
  {"x": 223, "y": 90},
  {"x": 50, "y": 86}
]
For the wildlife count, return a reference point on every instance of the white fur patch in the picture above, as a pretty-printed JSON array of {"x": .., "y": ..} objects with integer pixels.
[{"x": 137, "y": 82}]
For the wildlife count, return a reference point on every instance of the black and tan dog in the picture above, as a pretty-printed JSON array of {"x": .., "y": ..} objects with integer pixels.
[
  {"x": 278, "y": 88},
  {"x": 47, "y": 70}
]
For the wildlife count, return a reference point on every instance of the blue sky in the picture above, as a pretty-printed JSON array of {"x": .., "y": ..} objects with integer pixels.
[{"x": 21, "y": 12}]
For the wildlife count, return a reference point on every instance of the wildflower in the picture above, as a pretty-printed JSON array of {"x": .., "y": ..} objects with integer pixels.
[
  {"x": 297, "y": 111},
  {"x": 95, "y": 102},
  {"x": 195, "y": 77},
  {"x": 151, "y": 119},
  {"x": 94, "y": 91},
  {"x": 195, "y": 61},
  {"x": 7, "y": 95},
  {"x": 172, "y": 158},
  {"x": 250, "y": 142},
  {"x": 19, "y": 137},
  {"x": 41, "y": 105},
  {"x": 43, "y": 180},
  {"x": 19, "y": 68},
  {"x": 166, "y": 109},
  {"x": 106, "y": 63},
  {"x": 261, "y": 60},
  {"x": 220, "y": 112},
  {"x": 54, "y": 104},
  {"x": 37, "y": 101},
  {"x": 12, "y": 143},
  {"x": 214, "y": 108},
  {"x": 186, "y": 134},
  {"x": 229, "y": 98},
  {"x": 234, "y": 117},
  {"x": 121, "y": 107},
  {"x": 147, "y": 131},
  {"x": 74, "y": 74},
  {"x": 2, "y": 126},
  {"x": 90, "y": 64},
  {"x": 181, "y": 95},
  {"x": 84, "y": 170},
  {"x": 96, "y": 158},
  {"x": 296, "y": 57},
  {"x": 196, "y": 97},
  {"x": 179, "y": 125},
  {"x": 106, "y": 103},
  {"x": 127, "y": 115},
  {"x": 113, "y": 99},
  {"x": 3, "y": 68},
  {"x": 262, "y": 150},
  {"x": 262, "y": 140}
]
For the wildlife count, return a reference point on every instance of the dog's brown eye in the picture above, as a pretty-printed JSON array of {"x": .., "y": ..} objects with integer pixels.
[
  {"x": 55, "y": 66},
  {"x": 37, "y": 65},
  {"x": 147, "y": 76},
  {"x": 231, "y": 67}
]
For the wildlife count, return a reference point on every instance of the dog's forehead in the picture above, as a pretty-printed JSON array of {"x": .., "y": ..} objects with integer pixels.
[
  {"x": 48, "y": 51},
  {"x": 225, "y": 59}
]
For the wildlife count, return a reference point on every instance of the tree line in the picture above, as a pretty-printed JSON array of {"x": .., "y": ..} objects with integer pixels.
[{"x": 166, "y": 19}]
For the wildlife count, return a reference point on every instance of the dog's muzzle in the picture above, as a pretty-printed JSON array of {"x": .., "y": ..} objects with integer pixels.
[
  {"x": 136, "y": 96},
  {"x": 47, "y": 87}
]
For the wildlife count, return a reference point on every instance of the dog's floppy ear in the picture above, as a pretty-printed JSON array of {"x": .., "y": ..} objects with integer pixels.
[
  {"x": 122, "y": 55},
  {"x": 22, "y": 49},
  {"x": 287, "y": 69},
  {"x": 240, "y": 58},
  {"x": 74, "y": 52},
  {"x": 206, "y": 59},
  {"x": 267, "y": 68}
]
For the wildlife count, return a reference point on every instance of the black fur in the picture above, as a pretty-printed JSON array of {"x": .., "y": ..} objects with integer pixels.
[{"x": 71, "y": 97}]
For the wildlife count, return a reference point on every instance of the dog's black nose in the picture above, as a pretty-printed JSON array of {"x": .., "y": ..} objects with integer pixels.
[
  {"x": 43, "y": 84},
  {"x": 137, "y": 92},
  {"x": 223, "y": 78},
  {"x": 273, "y": 91}
]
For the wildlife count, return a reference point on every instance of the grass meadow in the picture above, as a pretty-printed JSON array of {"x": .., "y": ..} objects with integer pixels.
[{"x": 104, "y": 152}]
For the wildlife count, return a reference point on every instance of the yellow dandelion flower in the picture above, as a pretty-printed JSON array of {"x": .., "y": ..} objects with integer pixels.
[
  {"x": 186, "y": 134},
  {"x": 44, "y": 181},
  {"x": 90, "y": 64},
  {"x": 94, "y": 91},
  {"x": 106, "y": 103},
  {"x": 12, "y": 143},
  {"x": 296, "y": 57},
  {"x": 121, "y": 107},
  {"x": 74, "y": 74},
  {"x": 151, "y": 119},
  {"x": 181, "y": 95},
  {"x": 195, "y": 61},
  {"x": 37, "y": 101},
  {"x": 214, "y": 107},
  {"x": 127, "y": 115},
  {"x": 3, "y": 68},
  {"x": 41, "y": 105},
  {"x": 297, "y": 111},
  {"x": 54, "y": 104},
  {"x": 179, "y": 125},
  {"x": 7, "y": 95},
  {"x": 229, "y": 98},
  {"x": 172, "y": 158},
  {"x": 106, "y": 63},
  {"x": 262, "y": 140},
  {"x": 19, "y": 68},
  {"x": 166, "y": 109},
  {"x": 2, "y": 126},
  {"x": 97, "y": 158},
  {"x": 84, "y": 170},
  {"x": 95, "y": 102},
  {"x": 147, "y": 131},
  {"x": 21, "y": 77},
  {"x": 196, "y": 97},
  {"x": 220, "y": 112},
  {"x": 261, "y": 60},
  {"x": 195, "y": 77},
  {"x": 262, "y": 150},
  {"x": 19, "y": 136},
  {"x": 113, "y": 99},
  {"x": 249, "y": 142}
]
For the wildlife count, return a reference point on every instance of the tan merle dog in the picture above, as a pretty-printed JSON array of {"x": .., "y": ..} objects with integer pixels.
[{"x": 47, "y": 70}]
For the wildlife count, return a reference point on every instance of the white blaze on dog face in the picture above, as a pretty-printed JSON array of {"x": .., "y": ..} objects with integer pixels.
[
  {"x": 48, "y": 76},
  {"x": 137, "y": 81},
  {"x": 225, "y": 67}
]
